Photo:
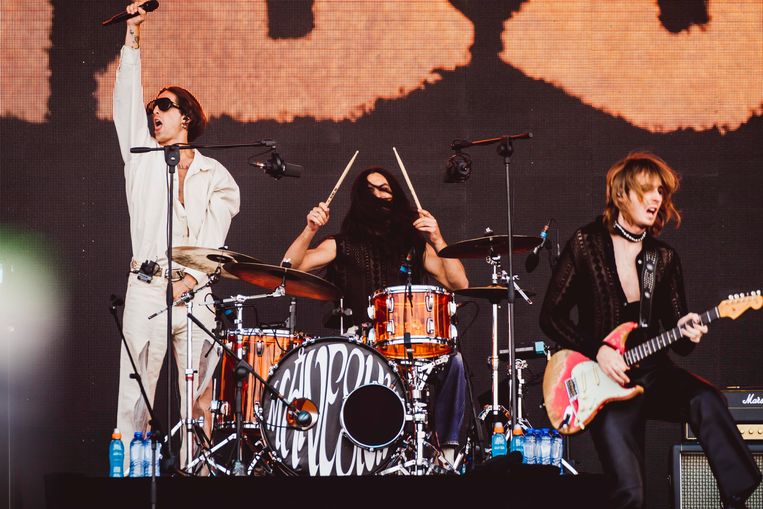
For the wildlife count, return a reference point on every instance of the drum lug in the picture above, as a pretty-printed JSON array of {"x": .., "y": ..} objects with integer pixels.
[
  {"x": 371, "y": 336},
  {"x": 429, "y": 302},
  {"x": 391, "y": 327},
  {"x": 371, "y": 312},
  {"x": 259, "y": 348},
  {"x": 453, "y": 331},
  {"x": 452, "y": 308},
  {"x": 390, "y": 304},
  {"x": 430, "y": 325}
]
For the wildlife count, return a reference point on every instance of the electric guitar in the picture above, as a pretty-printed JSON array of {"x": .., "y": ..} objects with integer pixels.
[{"x": 575, "y": 388}]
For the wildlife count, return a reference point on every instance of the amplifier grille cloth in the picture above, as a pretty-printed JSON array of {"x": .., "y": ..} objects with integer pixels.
[{"x": 698, "y": 488}]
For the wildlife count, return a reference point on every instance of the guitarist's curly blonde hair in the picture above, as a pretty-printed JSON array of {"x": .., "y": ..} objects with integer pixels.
[{"x": 622, "y": 177}]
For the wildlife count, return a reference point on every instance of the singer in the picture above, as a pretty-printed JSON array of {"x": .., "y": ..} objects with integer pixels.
[
  {"x": 605, "y": 271},
  {"x": 206, "y": 199},
  {"x": 380, "y": 233}
]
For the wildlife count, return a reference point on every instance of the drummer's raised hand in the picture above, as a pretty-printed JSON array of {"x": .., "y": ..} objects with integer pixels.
[
  {"x": 318, "y": 216},
  {"x": 427, "y": 225}
]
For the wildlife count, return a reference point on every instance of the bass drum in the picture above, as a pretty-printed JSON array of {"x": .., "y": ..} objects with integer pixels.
[{"x": 360, "y": 402}]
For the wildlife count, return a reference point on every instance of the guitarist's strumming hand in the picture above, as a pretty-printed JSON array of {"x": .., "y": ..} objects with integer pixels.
[
  {"x": 612, "y": 363},
  {"x": 691, "y": 327}
]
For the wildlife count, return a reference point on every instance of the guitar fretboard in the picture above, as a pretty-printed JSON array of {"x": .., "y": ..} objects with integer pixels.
[{"x": 664, "y": 340}]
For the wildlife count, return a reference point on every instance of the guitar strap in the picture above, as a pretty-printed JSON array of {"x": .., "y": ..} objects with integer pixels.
[{"x": 647, "y": 287}]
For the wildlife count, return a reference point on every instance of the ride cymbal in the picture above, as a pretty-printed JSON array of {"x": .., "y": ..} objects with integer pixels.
[
  {"x": 481, "y": 247},
  {"x": 207, "y": 260},
  {"x": 296, "y": 283}
]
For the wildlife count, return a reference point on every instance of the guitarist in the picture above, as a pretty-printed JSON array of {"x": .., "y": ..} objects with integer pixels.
[{"x": 606, "y": 271}]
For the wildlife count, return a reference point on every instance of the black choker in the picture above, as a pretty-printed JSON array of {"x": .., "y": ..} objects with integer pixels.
[{"x": 627, "y": 235}]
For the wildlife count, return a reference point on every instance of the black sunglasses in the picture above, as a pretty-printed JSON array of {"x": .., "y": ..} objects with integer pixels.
[{"x": 163, "y": 103}]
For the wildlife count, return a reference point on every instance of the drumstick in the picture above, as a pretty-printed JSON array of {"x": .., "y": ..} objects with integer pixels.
[
  {"x": 407, "y": 180},
  {"x": 339, "y": 182}
]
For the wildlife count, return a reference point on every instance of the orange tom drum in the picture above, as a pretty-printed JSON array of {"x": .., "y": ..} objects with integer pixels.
[
  {"x": 425, "y": 312},
  {"x": 262, "y": 348}
]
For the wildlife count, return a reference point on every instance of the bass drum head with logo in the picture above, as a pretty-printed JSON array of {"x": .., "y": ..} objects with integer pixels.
[{"x": 344, "y": 379}]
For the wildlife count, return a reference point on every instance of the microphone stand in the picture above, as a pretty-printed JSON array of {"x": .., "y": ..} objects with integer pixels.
[
  {"x": 157, "y": 432},
  {"x": 505, "y": 150},
  {"x": 172, "y": 158}
]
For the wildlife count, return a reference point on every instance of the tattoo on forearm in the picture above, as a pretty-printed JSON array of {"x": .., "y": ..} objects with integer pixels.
[{"x": 135, "y": 39}]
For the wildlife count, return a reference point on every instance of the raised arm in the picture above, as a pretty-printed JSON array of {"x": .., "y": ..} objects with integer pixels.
[
  {"x": 299, "y": 253},
  {"x": 128, "y": 105}
]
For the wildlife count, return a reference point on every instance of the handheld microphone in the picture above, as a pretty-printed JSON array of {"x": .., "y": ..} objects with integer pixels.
[
  {"x": 149, "y": 6},
  {"x": 277, "y": 168},
  {"x": 531, "y": 263}
]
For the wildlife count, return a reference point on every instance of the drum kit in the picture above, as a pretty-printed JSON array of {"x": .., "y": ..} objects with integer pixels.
[{"x": 352, "y": 404}]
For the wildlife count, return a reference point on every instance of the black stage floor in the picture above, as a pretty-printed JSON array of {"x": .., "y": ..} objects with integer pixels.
[{"x": 527, "y": 487}]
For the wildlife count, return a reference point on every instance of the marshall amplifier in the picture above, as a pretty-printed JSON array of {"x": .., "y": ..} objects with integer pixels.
[
  {"x": 746, "y": 407},
  {"x": 693, "y": 483}
]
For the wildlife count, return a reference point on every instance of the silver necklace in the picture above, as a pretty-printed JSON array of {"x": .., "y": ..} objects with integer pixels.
[{"x": 629, "y": 236}]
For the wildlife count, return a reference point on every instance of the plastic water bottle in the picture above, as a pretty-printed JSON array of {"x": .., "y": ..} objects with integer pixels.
[
  {"x": 498, "y": 443},
  {"x": 545, "y": 447},
  {"x": 517, "y": 441},
  {"x": 557, "y": 450},
  {"x": 147, "y": 457},
  {"x": 136, "y": 455},
  {"x": 116, "y": 455},
  {"x": 531, "y": 439}
]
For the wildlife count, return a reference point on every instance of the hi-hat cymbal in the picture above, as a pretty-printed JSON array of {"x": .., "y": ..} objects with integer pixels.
[
  {"x": 481, "y": 247},
  {"x": 493, "y": 293},
  {"x": 207, "y": 260},
  {"x": 296, "y": 282}
]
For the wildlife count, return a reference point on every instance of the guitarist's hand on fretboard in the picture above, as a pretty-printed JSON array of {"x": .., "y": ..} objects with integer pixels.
[
  {"x": 691, "y": 327},
  {"x": 613, "y": 364}
]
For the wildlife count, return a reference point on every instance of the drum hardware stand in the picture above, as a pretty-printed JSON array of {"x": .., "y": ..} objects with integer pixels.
[
  {"x": 494, "y": 260},
  {"x": 301, "y": 413},
  {"x": 416, "y": 377},
  {"x": 189, "y": 423},
  {"x": 505, "y": 150}
]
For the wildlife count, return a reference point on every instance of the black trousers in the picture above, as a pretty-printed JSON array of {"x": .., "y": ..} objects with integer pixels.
[{"x": 675, "y": 395}]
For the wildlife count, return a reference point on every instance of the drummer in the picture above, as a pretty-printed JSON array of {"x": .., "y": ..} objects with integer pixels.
[{"x": 383, "y": 241}]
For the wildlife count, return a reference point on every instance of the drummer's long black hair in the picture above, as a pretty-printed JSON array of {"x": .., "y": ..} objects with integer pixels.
[{"x": 380, "y": 222}]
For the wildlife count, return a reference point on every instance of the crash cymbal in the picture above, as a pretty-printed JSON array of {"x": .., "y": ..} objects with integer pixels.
[
  {"x": 481, "y": 247},
  {"x": 207, "y": 260},
  {"x": 297, "y": 283},
  {"x": 493, "y": 293}
]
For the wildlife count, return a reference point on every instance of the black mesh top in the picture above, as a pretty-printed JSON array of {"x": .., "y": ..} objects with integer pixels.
[
  {"x": 362, "y": 268},
  {"x": 586, "y": 277}
]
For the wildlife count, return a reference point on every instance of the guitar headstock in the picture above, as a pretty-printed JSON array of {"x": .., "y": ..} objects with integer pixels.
[{"x": 738, "y": 303}]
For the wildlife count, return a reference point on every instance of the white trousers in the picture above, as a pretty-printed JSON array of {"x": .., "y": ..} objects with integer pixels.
[{"x": 147, "y": 340}]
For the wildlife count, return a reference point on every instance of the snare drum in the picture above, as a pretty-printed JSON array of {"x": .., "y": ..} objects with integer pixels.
[
  {"x": 423, "y": 311},
  {"x": 262, "y": 348}
]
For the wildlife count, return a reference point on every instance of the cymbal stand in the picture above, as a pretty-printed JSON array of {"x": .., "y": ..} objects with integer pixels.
[
  {"x": 494, "y": 260},
  {"x": 189, "y": 423}
]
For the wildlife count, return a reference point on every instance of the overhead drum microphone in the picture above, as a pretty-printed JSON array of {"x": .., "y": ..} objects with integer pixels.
[
  {"x": 277, "y": 168},
  {"x": 149, "y": 6},
  {"x": 459, "y": 168},
  {"x": 531, "y": 263}
]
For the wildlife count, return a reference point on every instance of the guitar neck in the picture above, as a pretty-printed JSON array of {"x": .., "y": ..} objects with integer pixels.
[{"x": 664, "y": 340}]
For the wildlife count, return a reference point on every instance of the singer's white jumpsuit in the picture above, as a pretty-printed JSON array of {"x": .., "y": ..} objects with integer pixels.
[{"x": 211, "y": 200}]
